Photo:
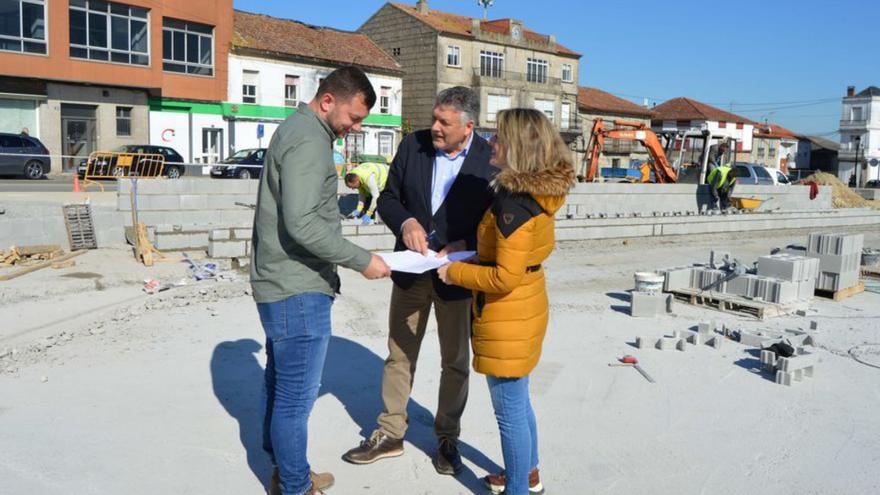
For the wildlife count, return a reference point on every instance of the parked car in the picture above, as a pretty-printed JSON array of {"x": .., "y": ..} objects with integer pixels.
[
  {"x": 779, "y": 179},
  {"x": 751, "y": 173},
  {"x": 108, "y": 167},
  {"x": 361, "y": 158},
  {"x": 23, "y": 155},
  {"x": 873, "y": 184},
  {"x": 244, "y": 164}
]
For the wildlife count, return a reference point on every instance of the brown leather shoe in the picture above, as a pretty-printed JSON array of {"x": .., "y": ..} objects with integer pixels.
[
  {"x": 496, "y": 482},
  {"x": 320, "y": 481},
  {"x": 448, "y": 460},
  {"x": 378, "y": 446}
]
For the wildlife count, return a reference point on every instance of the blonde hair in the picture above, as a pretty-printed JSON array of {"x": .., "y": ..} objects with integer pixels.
[{"x": 532, "y": 143}]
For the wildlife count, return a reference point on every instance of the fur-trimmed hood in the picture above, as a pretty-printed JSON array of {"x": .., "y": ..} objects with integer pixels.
[{"x": 548, "y": 187}]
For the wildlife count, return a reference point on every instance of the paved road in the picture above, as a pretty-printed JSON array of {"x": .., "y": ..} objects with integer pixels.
[{"x": 62, "y": 183}]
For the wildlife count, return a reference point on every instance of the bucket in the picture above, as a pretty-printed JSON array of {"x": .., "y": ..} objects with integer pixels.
[{"x": 649, "y": 282}]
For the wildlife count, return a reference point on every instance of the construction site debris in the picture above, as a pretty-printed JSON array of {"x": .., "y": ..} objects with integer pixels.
[
  {"x": 40, "y": 266},
  {"x": 841, "y": 195},
  {"x": 23, "y": 255}
]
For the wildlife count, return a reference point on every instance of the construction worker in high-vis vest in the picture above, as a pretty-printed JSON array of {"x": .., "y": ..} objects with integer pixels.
[
  {"x": 721, "y": 181},
  {"x": 368, "y": 179}
]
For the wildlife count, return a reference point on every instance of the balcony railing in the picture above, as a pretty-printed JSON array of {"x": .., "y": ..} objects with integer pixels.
[
  {"x": 503, "y": 75},
  {"x": 853, "y": 123}
]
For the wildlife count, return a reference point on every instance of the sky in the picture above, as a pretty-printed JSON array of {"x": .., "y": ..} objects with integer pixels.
[{"x": 784, "y": 61}]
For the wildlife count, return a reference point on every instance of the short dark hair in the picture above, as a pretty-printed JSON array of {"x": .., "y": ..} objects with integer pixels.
[
  {"x": 349, "y": 178},
  {"x": 346, "y": 82}
]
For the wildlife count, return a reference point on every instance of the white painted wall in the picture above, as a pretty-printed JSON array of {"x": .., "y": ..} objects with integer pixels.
[{"x": 270, "y": 88}]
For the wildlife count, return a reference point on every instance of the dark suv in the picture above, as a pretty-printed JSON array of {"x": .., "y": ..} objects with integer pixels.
[
  {"x": 171, "y": 157},
  {"x": 23, "y": 155}
]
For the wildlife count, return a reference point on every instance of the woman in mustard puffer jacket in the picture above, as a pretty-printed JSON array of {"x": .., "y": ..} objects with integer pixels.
[{"x": 510, "y": 298}]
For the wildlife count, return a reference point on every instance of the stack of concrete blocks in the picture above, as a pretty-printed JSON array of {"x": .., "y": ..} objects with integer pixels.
[
  {"x": 789, "y": 369},
  {"x": 649, "y": 303},
  {"x": 839, "y": 258},
  {"x": 801, "y": 271},
  {"x": 763, "y": 338},
  {"x": 234, "y": 243},
  {"x": 748, "y": 286},
  {"x": 679, "y": 341}
]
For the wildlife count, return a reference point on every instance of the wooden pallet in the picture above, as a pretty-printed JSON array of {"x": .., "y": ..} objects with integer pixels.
[
  {"x": 843, "y": 293},
  {"x": 80, "y": 228},
  {"x": 871, "y": 271},
  {"x": 728, "y": 303}
]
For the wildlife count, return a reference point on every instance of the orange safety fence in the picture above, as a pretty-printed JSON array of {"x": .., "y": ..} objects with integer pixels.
[{"x": 115, "y": 165}]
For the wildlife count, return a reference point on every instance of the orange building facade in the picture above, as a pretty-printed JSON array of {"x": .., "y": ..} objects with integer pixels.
[{"x": 79, "y": 74}]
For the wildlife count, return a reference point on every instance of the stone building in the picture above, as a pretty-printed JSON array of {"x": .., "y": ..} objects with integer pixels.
[{"x": 506, "y": 63}]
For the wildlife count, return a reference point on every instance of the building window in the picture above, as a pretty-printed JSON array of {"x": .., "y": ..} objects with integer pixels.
[
  {"x": 761, "y": 149},
  {"x": 249, "y": 86},
  {"x": 453, "y": 56},
  {"x": 856, "y": 113},
  {"x": 548, "y": 107},
  {"x": 565, "y": 116},
  {"x": 354, "y": 144},
  {"x": 395, "y": 52},
  {"x": 536, "y": 70},
  {"x": 496, "y": 103},
  {"x": 386, "y": 143},
  {"x": 567, "y": 73},
  {"x": 722, "y": 125},
  {"x": 771, "y": 152},
  {"x": 111, "y": 32},
  {"x": 739, "y": 125},
  {"x": 491, "y": 64},
  {"x": 187, "y": 47},
  {"x": 23, "y": 26},
  {"x": 123, "y": 121},
  {"x": 291, "y": 84},
  {"x": 385, "y": 100}
]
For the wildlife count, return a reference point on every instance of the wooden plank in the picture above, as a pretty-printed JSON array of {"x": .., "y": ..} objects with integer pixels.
[
  {"x": 37, "y": 249},
  {"x": 40, "y": 266},
  {"x": 843, "y": 293}
]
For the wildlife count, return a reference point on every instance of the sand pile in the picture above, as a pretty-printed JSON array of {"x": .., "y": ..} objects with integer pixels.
[{"x": 841, "y": 195}]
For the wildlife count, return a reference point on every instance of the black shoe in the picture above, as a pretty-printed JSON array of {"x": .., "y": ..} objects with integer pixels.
[
  {"x": 378, "y": 446},
  {"x": 448, "y": 460}
]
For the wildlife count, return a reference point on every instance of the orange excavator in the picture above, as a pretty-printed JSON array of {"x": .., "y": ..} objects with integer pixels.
[{"x": 634, "y": 131}]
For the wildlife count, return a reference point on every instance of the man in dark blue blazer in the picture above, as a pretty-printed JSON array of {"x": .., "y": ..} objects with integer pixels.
[{"x": 436, "y": 195}]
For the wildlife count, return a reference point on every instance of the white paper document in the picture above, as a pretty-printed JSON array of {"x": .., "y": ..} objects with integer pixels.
[{"x": 413, "y": 262}]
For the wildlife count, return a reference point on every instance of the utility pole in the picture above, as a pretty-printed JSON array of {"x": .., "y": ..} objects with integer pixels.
[{"x": 485, "y": 4}]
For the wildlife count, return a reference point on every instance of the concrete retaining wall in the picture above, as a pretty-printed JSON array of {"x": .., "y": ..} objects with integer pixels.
[
  {"x": 31, "y": 223},
  {"x": 611, "y": 199},
  {"x": 873, "y": 194}
]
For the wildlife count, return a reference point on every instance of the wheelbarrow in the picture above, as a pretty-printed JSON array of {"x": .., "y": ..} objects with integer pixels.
[{"x": 746, "y": 203}]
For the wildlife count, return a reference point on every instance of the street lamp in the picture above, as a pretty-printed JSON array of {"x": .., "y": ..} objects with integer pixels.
[
  {"x": 857, "y": 170},
  {"x": 485, "y": 4}
]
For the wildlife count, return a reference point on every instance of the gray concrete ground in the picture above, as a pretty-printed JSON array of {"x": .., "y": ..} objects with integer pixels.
[{"x": 115, "y": 391}]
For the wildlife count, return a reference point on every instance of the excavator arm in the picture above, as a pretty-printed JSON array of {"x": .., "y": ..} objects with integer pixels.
[{"x": 632, "y": 131}]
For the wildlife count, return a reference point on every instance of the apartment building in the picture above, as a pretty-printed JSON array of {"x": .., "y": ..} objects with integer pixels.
[
  {"x": 859, "y": 156},
  {"x": 507, "y": 64},
  {"x": 593, "y": 103},
  {"x": 275, "y": 64},
  {"x": 80, "y": 74}
]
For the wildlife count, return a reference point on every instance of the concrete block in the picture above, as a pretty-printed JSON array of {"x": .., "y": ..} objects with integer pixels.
[
  {"x": 768, "y": 359},
  {"x": 681, "y": 345},
  {"x": 665, "y": 344},
  {"x": 797, "y": 362},
  {"x": 243, "y": 234},
  {"x": 219, "y": 235},
  {"x": 193, "y": 202},
  {"x": 677, "y": 279},
  {"x": 814, "y": 325},
  {"x": 643, "y": 342},
  {"x": 705, "y": 328},
  {"x": 696, "y": 338},
  {"x": 227, "y": 249},
  {"x": 647, "y": 304},
  {"x": 715, "y": 341},
  {"x": 247, "y": 248},
  {"x": 163, "y": 202},
  {"x": 783, "y": 378},
  {"x": 183, "y": 240},
  {"x": 348, "y": 230},
  {"x": 375, "y": 242}
]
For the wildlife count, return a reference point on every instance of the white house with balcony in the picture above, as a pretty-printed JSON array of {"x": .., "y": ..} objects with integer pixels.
[
  {"x": 860, "y": 135},
  {"x": 274, "y": 64}
]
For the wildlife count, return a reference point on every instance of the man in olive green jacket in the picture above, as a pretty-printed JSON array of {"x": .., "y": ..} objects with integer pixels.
[{"x": 297, "y": 243}]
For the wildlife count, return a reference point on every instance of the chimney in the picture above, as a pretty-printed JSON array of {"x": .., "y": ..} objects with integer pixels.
[
  {"x": 551, "y": 40},
  {"x": 850, "y": 91},
  {"x": 422, "y": 6},
  {"x": 475, "y": 26}
]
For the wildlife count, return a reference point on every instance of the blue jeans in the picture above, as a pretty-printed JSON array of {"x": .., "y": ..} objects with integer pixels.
[
  {"x": 519, "y": 432},
  {"x": 297, "y": 333}
]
